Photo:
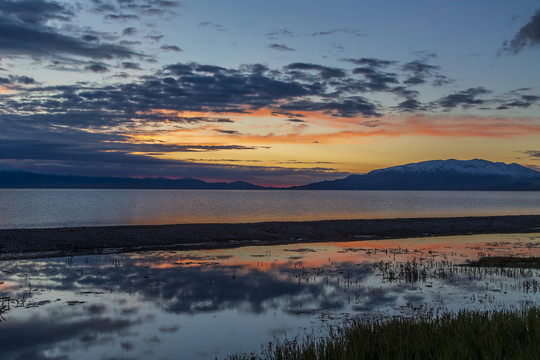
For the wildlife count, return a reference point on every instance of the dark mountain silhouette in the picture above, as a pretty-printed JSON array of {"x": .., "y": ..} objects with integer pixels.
[
  {"x": 47, "y": 181},
  {"x": 439, "y": 175},
  {"x": 428, "y": 175}
]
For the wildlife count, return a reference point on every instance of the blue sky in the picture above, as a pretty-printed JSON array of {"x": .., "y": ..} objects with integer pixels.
[{"x": 281, "y": 93}]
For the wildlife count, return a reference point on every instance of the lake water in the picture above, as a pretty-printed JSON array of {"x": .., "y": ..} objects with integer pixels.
[
  {"x": 30, "y": 208},
  {"x": 211, "y": 303}
]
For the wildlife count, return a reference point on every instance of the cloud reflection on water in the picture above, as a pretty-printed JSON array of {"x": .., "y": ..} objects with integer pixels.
[{"x": 146, "y": 304}]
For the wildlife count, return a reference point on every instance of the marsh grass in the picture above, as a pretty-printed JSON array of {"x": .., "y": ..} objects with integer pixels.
[
  {"x": 507, "y": 261},
  {"x": 466, "y": 335}
]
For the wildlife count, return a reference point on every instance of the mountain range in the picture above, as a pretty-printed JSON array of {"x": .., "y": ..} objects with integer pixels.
[{"x": 449, "y": 174}]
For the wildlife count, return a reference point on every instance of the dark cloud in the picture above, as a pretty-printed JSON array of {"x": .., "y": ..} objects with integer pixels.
[
  {"x": 334, "y": 31},
  {"x": 420, "y": 72},
  {"x": 280, "y": 47},
  {"x": 276, "y": 34},
  {"x": 131, "y": 65},
  {"x": 133, "y": 9},
  {"x": 45, "y": 334},
  {"x": 35, "y": 11},
  {"x": 371, "y": 62},
  {"x": 14, "y": 79},
  {"x": 228, "y": 132},
  {"x": 420, "y": 68},
  {"x": 129, "y": 31},
  {"x": 296, "y": 120},
  {"x": 324, "y": 71},
  {"x": 465, "y": 98},
  {"x": 410, "y": 105},
  {"x": 72, "y": 158},
  {"x": 523, "y": 101},
  {"x": 277, "y": 113},
  {"x": 533, "y": 153},
  {"x": 170, "y": 48},
  {"x": 371, "y": 123},
  {"x": 414, "y": 80},
  {"x": 528, "y": 35},
  {"x": 97, "y": 68},
  {"x": 122, "y": 17},
  {"x": 348, "y": 107},
  {"x": 90, "y": 38},
  {"x": 156, "y": 38},
  {"x": 404, "y": 92},
  {"x": 18, "y": 38},
  {"x": 377, "y": 80}
]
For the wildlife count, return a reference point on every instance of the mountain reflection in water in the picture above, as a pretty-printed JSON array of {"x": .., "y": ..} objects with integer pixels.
[{"x": 206, "y": 304}]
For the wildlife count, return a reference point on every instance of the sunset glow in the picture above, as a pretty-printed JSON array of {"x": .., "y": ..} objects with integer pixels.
[{"x": 322, "y": 95}]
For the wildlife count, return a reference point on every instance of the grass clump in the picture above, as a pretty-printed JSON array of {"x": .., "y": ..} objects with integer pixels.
[
  {"x": 465, "y": 335},
  {"x": 507, "y": 261}
]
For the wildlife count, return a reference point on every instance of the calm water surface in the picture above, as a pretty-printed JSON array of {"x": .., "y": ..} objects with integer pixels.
[
  {"x": 28, "y": 208},
  {"x": 208, "y": 304}
]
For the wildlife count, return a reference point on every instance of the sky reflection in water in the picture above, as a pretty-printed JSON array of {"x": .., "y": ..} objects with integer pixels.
[{"x": 206, "y": 304}]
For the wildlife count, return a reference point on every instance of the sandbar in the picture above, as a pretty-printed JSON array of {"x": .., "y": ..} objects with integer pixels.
[{"x": 74, "y": 241}]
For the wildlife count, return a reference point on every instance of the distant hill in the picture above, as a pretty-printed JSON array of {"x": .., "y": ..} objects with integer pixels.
[
  {"x": 450, "y": 174},
  {"x": 10, "y": 179},
  {"x": 428, "y": 175}
]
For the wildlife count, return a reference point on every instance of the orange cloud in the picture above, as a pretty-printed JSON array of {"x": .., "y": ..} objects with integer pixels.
[{"x": 468, "y": 126}]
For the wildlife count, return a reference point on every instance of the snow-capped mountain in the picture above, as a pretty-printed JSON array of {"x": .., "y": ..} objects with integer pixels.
[
  {"x": 449, "y": 174},
  {"x": 472, "y": 167}
]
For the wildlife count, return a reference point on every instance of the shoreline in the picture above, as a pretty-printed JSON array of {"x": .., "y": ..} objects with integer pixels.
[{"x": 76, "y": 241}]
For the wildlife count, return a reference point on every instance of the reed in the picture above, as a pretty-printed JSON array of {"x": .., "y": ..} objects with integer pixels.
[{"x": 500, "y": 334}]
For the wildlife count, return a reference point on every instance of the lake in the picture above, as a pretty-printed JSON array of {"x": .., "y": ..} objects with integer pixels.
[
  {"x": 33, "y": 208},
  {"x": 210, "y": 303}
]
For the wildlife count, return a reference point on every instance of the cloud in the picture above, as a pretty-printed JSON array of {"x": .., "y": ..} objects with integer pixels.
[
  {"x": 280, "y": 47},
  {"x": 528, "y": 35},
  {"x": 97, "y": 68},
  {"x": 129, "y": 31},
  {"x": 419, "y": 68},
  {"x": 121, "y": 128},
  {"x": 90, "y": 38},
  {"x": 133, "y": 9},
  {"x": 37, "y": 40},
  {"x": 296, "y": 120},
  {"x": 228, "y": 132},
  {"x": 348, "y": 107},
  {"x": 420, "y": 71},
  {"x": 35, "y": 11},
  {"x": 465, "y": 98},
  {"x": 377, "y": 80},
  {"x": 14, "y": 79},
  {"x": 410, "y": 105},
  {"x": 45, "y": 334},
  {"x": 215, "y": 26},
  {"x": 170, "y": 48},
  {"x": 371, "y": 62},
  {"x": 324, "y": 71},
  {"x": 131, "y": 66},
  {"x": 155, "y": 38},
  {"x": 276, "y": 34},
  {"x": 71, "y": 158},
  {"x": 334, "y": 31},
  {"x": 122, "y": 17}
]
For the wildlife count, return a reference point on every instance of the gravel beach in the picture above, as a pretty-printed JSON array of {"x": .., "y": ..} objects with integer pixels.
[{"x": 36, "y": 243}]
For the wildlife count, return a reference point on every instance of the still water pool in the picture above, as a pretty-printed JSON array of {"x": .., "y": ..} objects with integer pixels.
[{"x": 208, "y": 304}]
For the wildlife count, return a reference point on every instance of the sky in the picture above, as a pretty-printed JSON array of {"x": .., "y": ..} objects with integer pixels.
[{"x": 271, "y": 92}]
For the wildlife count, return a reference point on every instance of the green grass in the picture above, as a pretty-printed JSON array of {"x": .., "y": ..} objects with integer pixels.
[{"x": 465, "y": 335}]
